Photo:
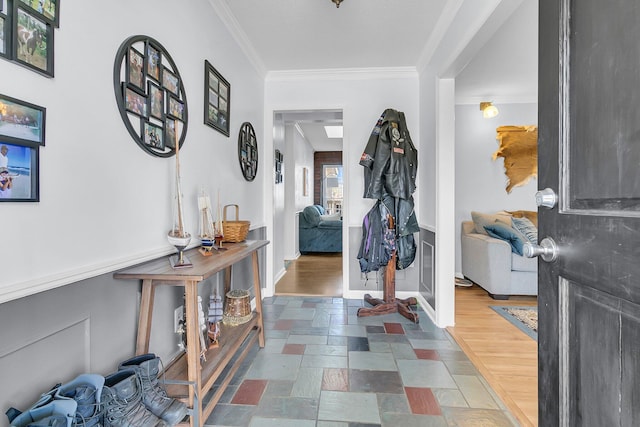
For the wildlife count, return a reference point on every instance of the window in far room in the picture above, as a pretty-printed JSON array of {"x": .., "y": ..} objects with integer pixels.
[{"x": 332, "y": 188}]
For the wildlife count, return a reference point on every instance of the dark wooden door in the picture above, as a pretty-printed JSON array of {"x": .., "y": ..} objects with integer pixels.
[{"x": 589, "y": 153}]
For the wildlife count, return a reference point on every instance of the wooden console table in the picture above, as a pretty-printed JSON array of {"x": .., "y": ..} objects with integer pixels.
[{"x": 196, "y": 378}]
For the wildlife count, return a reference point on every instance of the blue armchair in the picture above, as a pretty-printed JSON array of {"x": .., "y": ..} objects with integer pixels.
[{"x": 319, "y": 232}]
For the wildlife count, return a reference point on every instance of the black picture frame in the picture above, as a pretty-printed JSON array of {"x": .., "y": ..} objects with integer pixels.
[
  {"x": 47, "y": 10},
  {"x": 156, "y": 98},
  {"x": 133, "y": 114},
  {"x": 153, "y": 62},
  {"x": 22, "y": 121},
  {"x": 134, "y": 101},
  {"x": 170, "y": 81},
  {"x": 170, "y": 133},
  {"x": 136, "y": 72},
  {"x": 153, "y": 135},
  {"x": 31, "y": 40},
  {"x": 22, "y": 173},
  {"x": 217, "y": 100},
  {"x": 278, "y": 157},
  {"x": 248, "y": 151},
  {"x": 175, "y": 108}
]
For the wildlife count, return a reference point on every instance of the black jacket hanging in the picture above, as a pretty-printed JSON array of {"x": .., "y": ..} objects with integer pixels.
[
  {"x": 390, "y": 159},
  {"x": 390, "y": 163}
]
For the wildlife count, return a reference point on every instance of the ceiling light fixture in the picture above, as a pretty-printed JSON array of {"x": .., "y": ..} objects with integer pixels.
[
  {"x": 337, "y": 2},
  {"x": 488, "y": 110},
  {"x": 334, "y": 131}
]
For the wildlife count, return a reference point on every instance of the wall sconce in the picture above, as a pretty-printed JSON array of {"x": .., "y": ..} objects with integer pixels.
[
  {"x": 337, "y": 2},
  {"x": 488, "y": 110}
]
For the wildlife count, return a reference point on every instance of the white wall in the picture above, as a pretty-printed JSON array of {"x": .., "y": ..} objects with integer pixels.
[
  {"x": 363, "y": 96},
  {"x": 280, "y": 217},
  {"x": 426, "y": 183},
  {"x": 104, "y": 202},
  {"x": 480, "y": 181},
  {"x": 303, "y": 156}
]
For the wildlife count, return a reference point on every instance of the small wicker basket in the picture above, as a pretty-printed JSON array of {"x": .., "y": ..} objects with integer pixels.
[
  {"x": 237, "y": 308},
  {"x": 234, "y": 231}
]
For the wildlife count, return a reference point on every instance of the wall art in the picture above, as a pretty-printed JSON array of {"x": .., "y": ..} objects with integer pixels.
[
  {"x": 279, "y": 158},
  {"x": 217, "y": 100},
  {"x": 153, "y": 59},
  {"x": 3, "y": 34},
  {"x": 248, "y": 151},
  {"x": 32, "y": 40},
  {"x": 19, "y": 172},
  {"x": 156, "y": 101},
  {"x": 150, "y": 95},
  {"x": 153, "y": 135},
  {"x": 46, "y": 10},
  {"x": 21, "y": 121}
]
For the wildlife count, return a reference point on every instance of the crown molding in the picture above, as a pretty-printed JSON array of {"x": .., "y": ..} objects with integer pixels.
[
  {"x": 221, "y": 9},
  {"x": 344, "y": 74}
]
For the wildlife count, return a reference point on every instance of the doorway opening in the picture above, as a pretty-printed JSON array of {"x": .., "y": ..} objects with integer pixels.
[{"x": 309, "y": 257}]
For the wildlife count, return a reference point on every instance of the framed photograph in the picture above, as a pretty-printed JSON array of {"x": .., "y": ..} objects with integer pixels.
[
  {"x": 153, "y": 59},
  {"x": 153, "y": 135},
  {"x": 175, "y": 108},
  {"x": 3, "y": 34},
  {"x": 19, "y": 178},
  {"x": 21, "y": 121},
  {"x": 170, "y": 133},
  {"x": 170, "y": 82},
  {"x": 47, "y": 10},
  {"x": 217, "y": 92},
  {"x": 135, "y": 70},
  {"x": 32, "y": 41},
  {"x": 134, "y": 102},
  {"x": 156, "y": 100}
]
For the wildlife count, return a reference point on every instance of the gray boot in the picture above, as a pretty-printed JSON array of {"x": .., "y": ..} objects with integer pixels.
[
  {"x": 53, "y": 413},
  {"x": 122, "y": 398},
  {"x": 86, "y": 390},
  {"x": 154, "y": 396}
]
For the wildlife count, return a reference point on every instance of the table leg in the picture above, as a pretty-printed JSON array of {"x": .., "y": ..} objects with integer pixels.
[
  {"x": 227, "y": 280},
  {"x": 258, "y": 295},
  {"x": 193, "y": 345},
  {"x": 144, "y": 318}
]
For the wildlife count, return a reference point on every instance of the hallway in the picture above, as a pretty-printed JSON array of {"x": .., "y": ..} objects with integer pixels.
[
  {"x": 313, "y": 275},
  {"x": 324, "y": 366}
]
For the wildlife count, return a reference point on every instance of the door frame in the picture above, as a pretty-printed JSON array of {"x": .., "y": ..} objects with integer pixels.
[{"x": 269, "y": 186}]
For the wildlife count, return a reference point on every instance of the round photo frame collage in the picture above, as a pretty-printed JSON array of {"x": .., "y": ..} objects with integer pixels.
[{"x": 150, "y": 95}]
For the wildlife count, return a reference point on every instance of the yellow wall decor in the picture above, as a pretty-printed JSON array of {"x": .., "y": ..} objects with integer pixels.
[{"x": 518, "y": 145}]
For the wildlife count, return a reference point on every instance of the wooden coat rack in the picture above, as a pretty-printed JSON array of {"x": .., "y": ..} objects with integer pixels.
[{"x": 389, "y": 304}]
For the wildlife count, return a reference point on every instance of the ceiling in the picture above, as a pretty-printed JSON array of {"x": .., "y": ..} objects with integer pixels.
[{"x": 489, "y": 46}]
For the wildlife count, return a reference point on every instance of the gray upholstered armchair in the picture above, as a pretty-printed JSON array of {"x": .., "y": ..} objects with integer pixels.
[{"x": 319, "y": 232}]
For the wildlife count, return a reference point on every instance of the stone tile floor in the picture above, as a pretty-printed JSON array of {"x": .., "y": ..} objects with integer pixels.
[{"x": 322, "y": 366}]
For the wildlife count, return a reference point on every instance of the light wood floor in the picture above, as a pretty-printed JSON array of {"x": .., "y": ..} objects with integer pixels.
[
  {"x": 505, "y": 356},
  {"x": 313, "y": 275}
]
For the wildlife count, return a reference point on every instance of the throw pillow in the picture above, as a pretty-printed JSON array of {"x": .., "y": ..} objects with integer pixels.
[
  {"x": 530, "y": 215},
  {"x": 482, "y": 219},
  {"x": 508, "y": 234},
  {"x": 526, "y": 227}
]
